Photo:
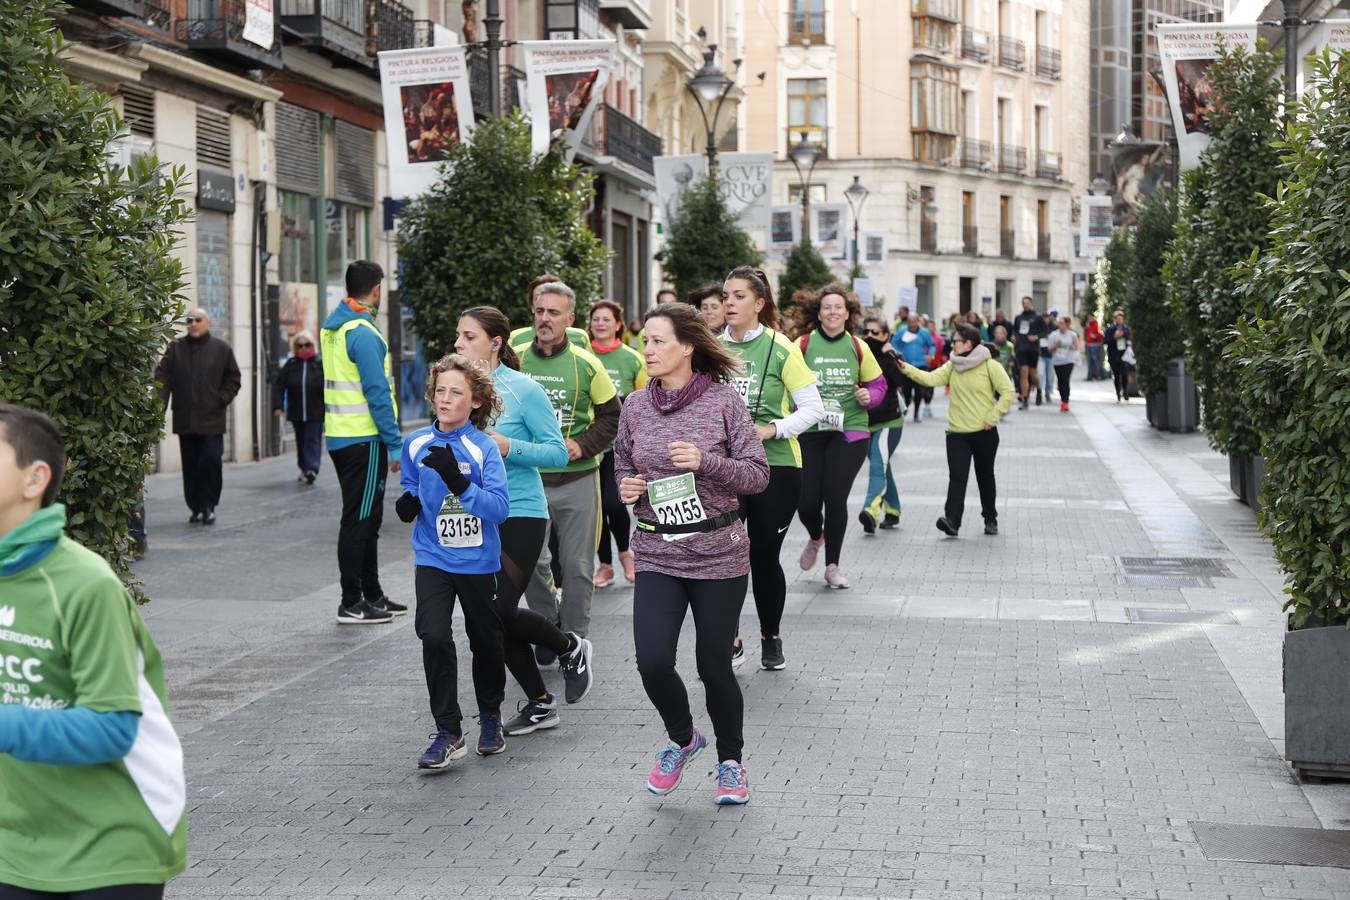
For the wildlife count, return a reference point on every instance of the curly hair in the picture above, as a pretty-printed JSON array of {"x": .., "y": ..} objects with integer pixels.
[
  {"x": 808, "y": 311},
  {"x": 481, "y": 388}
]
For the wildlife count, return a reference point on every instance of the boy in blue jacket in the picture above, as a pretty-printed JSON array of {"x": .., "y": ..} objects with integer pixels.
[{"x": 456, "y": 496}]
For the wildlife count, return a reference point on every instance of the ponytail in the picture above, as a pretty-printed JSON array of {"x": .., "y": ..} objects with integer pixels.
[
  {"x": 759, "y": 284},
  {"x": 496, "y": 325}
]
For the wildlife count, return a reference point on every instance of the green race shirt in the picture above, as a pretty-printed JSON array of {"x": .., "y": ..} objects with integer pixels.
[
  {"x": 70, "y": 636},
  {"x": 772, "y": 368},
  {"x": 576, "y": 383},
  {"x": 625, "y": 367},
  {"x": 835, "y": 363}
]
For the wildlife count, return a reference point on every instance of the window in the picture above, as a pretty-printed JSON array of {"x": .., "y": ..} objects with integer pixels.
[
  {"x": 933, "y": 35},
  {"x": 806, "y": 22},
  {"x": 806, "y": 107},
  {"x": 345, "y": 228},
  {"x": 297, "y": 237},
  {"x": 936, "y": 104},
  {"x": 795, "y": 193}
]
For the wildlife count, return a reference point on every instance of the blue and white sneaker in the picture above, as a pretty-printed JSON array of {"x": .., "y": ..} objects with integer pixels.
[
  {"x": 490, "y": 737},
  {"x": 445, "y": 748}
]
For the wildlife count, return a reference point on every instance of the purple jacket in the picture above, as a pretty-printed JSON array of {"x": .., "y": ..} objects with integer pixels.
[{"x": 717, "y": 422}]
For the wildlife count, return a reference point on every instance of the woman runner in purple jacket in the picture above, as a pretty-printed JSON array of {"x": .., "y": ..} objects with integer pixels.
[{"x": 686, "y": 450}]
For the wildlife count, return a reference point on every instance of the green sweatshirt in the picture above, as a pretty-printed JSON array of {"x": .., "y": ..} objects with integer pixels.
[{"x": 972, "y": 402}]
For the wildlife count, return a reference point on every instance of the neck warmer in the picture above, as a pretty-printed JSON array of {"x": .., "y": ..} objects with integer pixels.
[
  {"x": 606, "y": 348},
  {"x": 307, "y": 353},
  {"x": 668, "y": 401},
  {"x": 977, "y": 357},
  {"x": 32, "y": 540}
]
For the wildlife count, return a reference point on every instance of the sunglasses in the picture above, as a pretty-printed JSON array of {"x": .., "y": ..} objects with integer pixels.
[
  {"x": 872, "y": 332},
  {"x": 191, "y": 319},
  {"x": 300, "y": 344}
]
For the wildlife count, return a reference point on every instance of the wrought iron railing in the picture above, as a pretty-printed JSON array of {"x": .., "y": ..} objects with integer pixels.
[
  {"x": 1007, "y": 243},
  {"x": 975, "y": 44},
  {"x": 625, "y": 139},
  {"x": 1048, "y": 165},
  {"x": 1012, "y": 160},
  {"x": 974, "y": 154},
  {"x": 1012, "y": 53},
  {"x": 970, "y": 240},
  {"x": 928, "y": 236},
  {"x": 1043, "y": 247},
  {"x": 1048, "y": 62}
]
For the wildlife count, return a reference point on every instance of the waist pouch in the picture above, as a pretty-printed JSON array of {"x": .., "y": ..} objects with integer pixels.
[{"x": 722, "y": 521}]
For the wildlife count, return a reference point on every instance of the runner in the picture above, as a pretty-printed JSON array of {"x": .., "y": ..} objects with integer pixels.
[
  {"x": 521, "y": 337},
  {"x": 628, "y": 371},
  {"x": 455, "y": 493},
  {"x": 833, "y": 450},
  {"x": 774, "y": 379},
  {"x": 91, "y": 770},
  {"x": 981, "y": 394},
  {"x": 886, "y": 424},
  {"x": 1028, "y": 329},
  {"x": 1063, "y": 345},
  {"x": 527, "y": 434},
  {"x": 685, "y": 451},
  {"x": 708, "y": 301},
  {"x": 914, "y": 343}
]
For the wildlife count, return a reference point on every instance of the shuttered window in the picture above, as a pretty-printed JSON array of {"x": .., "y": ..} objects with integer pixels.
[
  {"x": 138, "y": 108},
  {"x": 297, "y": 149},
  {"x": 354, "y": 177},
  {"x": 213, "y": 138}
]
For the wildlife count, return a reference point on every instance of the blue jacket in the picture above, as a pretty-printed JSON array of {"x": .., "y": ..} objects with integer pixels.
[
  {"x": 527, "y": 419},
  {"x": 486, "y": 498},
  {"x": 915, "y": 351},
  {"x": 368, "y": 352}
]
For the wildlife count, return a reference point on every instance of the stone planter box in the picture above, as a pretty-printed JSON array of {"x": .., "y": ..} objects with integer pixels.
[{"x": 1316, "y": 703}]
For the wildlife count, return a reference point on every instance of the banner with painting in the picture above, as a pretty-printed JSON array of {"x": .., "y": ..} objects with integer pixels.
[
  {"x": 785, "y": 229},
  {"x": 745, "y": 180},
  {"x": 1187, "y": 52},
  {"x": 427, "y": 112},
  {"x": 827, "y": 229},
  {"x": 564, "y": 82},
  {"x": 872, "y": 250}
]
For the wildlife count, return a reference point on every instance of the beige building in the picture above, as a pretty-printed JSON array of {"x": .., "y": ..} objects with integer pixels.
[{"x": 966, "y": 120}]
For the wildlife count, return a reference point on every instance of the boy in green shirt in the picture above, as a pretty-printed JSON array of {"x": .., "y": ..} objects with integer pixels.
[{"x": 91, "y": 771}]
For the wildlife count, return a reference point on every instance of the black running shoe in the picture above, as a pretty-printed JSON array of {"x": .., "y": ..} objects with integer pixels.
[
  {"x": 209, "y": 517},
  {"x": 869, "y": 522},
  {"x": 737, "y": 654},
  {"x": 576, "y": 669},
  {"x": 946, "y": 527},
  {"x": 490, "y": 737},
  {"x": 771, "y": 655},
  {"x": 389, "y": 606},
  {"x": 544, "y": 657},
  {"x": 362, "y": 613},
  {"x": 196, "y": 517},
  {"x": 889, "y": 521},
  {"x": 532, "y": 716},
  {"x": 445, "y": 747},
  {"x": 310, "y": 476},
  {"x": 990, "y": 526}
]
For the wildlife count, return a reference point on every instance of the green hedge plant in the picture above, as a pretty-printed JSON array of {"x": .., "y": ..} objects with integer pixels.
[
  {"x": 89, "y": 285},
  {"x": 1155, "y": 331},
  {"x": 705, "y": 242},
  {"x": 1290, "y": 362}
]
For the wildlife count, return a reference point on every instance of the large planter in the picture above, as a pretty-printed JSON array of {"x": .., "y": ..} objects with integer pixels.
[
  {"x": 1316, "y": 703},
  {"x": 1183, "y": 408},
  {"x": 1254, "y": 481},
  {"x": 1155, "y": 407},
  {"x": 1237, "y": 476}
]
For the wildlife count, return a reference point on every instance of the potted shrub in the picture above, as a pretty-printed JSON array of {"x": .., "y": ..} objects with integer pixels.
[
  {"x": 1157, "y": 334},
  {"x": 1292, "y": 366}
]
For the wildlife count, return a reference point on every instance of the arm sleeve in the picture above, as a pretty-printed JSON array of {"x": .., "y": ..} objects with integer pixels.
[
  {"x": 409, "y": 477},
  {"x": 1004, "y": 387},
  {"x": 492, "y": 501},
  {"x": 547, "y": 450},
  {"x": 279, "y": 392},
  {"x": 230, "y": 381},
  {"x": 745, "y": 468},
  {"x": 368, "y": 352},
  {"x": 940, "y": 375},
  {"x": 594, "y": 440},
  {"x": 623, "y": 447},
  {"x": 876, "y": 392},
  {"x": 99, "y": 635},
  {"x": 162, "y": 371},
  {"x": 927, "y": 337},
  {"x": 810, "y": 409},
  {"x": 66, "y": 737}
]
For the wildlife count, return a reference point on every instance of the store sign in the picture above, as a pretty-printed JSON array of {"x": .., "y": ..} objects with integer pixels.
[{"x": 215, "y": 190}]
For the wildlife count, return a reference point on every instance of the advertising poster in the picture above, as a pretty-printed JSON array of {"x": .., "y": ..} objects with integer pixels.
[
  {"x": 674, "y": 175},
  {"x": 565, "y": 81},
  {"x": 865, "y": 291},
  {"x": 1098, "y": 222},
  {"x": 258, "y": 22},
  {"x": 872, "y": 249},
  {"x": 1335, "y": 35},
  {"x": 746, "y": 182},
  {"x": 827, "y": 226},
  {"x": 298, "y": 311},
  {"x": 1137, "y": 170},
  {"x": 1187, "y": 51},
  {"x": 785, "y": 223},
  {"x": 427, "y": 112}
]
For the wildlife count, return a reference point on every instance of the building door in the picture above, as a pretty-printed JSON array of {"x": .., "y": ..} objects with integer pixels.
[
  {"x": 620, "y": 233},
  {"x": 213, "y": 288},
  {"x": 926, "y": 285},
  {"x": 967, "y": 289},
  {"x": 1003, "y": 290}
]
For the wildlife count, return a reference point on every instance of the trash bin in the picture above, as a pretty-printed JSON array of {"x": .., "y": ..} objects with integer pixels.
[{"x": 1182, "y": 406}]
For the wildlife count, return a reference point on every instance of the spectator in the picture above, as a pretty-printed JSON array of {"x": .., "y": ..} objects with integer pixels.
[
  {"x": 297, "y": 393},
  {"x": 1120, "y": 354},
  {"x": 1096, "y": 347}
]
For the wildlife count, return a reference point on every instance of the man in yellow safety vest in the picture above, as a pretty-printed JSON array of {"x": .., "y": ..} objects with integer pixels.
[{"x": 364, "y": 440}]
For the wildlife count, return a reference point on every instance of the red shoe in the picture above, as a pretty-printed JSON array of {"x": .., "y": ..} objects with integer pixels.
[{"x": 1064, "y": 407}]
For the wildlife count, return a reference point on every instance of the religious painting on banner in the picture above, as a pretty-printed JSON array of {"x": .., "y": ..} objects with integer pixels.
[
  {"x": 827, "y": 226},
  {"x": 1187, "y": 51},
  {"x": 565, "y": 82},
  {"x": 784, "y": 229},
  {"x": 427, "y": 113}
]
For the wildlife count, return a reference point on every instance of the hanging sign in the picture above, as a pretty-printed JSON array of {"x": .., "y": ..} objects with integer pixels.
[
  {"x": 258, "y": 23},
  {"x": 1098, "y": 222},
  {"x": 827, "y": 227},
  {"x": 427, "y": 112},
  {"x": 785, "y": 225},
  {"x": 565, "y": 82},
  {"x": 1187, "y": 52}
]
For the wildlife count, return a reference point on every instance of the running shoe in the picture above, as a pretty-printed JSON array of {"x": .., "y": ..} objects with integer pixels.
[
  {"x": 810, "y": 552},
  {"x": 928, "y": 412},
  {"x": 490, "y": 738},
  {"x": 869, "y": 521},
  {"x": 310, "y": 475},
  {"x": 670, "y": 762},
  {"x": 835, "y": 579},
  {"x": 532, "y": 716},
  {"x": 604, "y": 575},
  {"x": 1064, "y": 407},
  {"x": 362, "y": 613},
  {"x": 947, "y": 527},
  {"x": 445, "y": 748},
  {"x": 771, "y": 654},
  {"x": 629, "y": 565},
  {"x": 737, "y": 654},
  {"x": 733, "y": 788},
  {"x": 209, "y": 517},
  {"x": 576, "y": 669},
  {"x": 1039, "y": 398},
  {"x": 544, "y": 657},
  {"x": 890, "y": 521},
  {"x": 990, "y": 526},
  {"x": 389, "y": 606}
]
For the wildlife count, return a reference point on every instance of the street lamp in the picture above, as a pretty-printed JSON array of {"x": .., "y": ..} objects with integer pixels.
[
  {"x": 856, "y": 195},
  {"x": 710, "y": 86},
  {"x": 1099, "y": 185},
  {"x": 804, "y": 155}
]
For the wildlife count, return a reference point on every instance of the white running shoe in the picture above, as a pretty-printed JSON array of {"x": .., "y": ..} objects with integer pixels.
[{"x": 835, "y": 579}]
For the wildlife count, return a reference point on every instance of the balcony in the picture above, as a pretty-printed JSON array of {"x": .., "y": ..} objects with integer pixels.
[
  {"x": 928, "y": 236},
  {"x": 946, "y": 10},
  {"x": 1012, "y": 160},
  {"x": 974, "y": 154},
  {"x": 351, "y": 31},
  {"x": 1043, "y": 247},
  {"x": 635, "y": 15},
  {"x": 217, "y": 27},
  {"x": 975, "y": 44},
  {"x": 155, "y": 13},
  {"x": 614, "y": 134},
  {"x": 970, "y": 240},
  {"x": 806, "y": 27},
  {"x": 1047, "y": 62},
  {"x": 394, "y": 28},
  {"x": 1007, "y": 243},
  {"x": 1012, "y": 53},
  {"x": 1048, "y": 165},
  {"x": 478, "y": 83}
]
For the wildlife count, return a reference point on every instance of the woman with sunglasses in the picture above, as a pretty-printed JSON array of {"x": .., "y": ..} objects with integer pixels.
[
  {"x": 981, "y": 393},
  {"x": 297, "y": 393},
  {"x": 886, "y": 423}
]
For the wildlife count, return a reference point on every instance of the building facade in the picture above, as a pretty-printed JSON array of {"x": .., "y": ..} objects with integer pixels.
[{"x": 966, "y": 120}]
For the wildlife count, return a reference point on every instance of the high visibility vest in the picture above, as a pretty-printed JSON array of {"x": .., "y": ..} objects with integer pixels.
[{"x": 346, "y": 412}]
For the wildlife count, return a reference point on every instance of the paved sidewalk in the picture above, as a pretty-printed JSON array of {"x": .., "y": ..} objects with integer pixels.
[{"x": 976, "y": 718}]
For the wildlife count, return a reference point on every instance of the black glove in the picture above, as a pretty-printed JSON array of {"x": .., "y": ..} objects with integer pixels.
[
  {"x": 441, "y": 460},
  {"x": 408, "y": 507}
]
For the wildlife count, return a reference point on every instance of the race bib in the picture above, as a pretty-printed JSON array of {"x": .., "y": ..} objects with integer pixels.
[
  {"x": 834, "y": 416},
  {"x": 907, "y": 336},
  {"x": 1024, "y": 327},
  {"x": 675, "y": 501},
  {"x": 742, "y": 386},
  {"x": 455, "y": 527},
  {"x": 1120, "y": 345}
]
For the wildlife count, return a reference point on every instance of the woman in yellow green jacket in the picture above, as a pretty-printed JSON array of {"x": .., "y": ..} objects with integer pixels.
[{"x": 981, "y": 393}]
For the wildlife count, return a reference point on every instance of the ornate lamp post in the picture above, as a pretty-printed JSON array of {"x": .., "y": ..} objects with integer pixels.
[
  {"x": 710, "y": 86},
  {"x": 856, "y": 195},
  {"x": 804, "y": 155}
]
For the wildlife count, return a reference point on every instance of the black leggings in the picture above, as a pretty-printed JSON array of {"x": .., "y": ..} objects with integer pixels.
[
  {"x": 613, "y": 514},
  {"x": 116, "y": 892},
  {"x": 1062, "y": 375},
  {"x": 436, "y": 591},
  {"x": 915, "y": 394},
  {"x": 1120, "y": 374},
  {"x": 522, "y": 540},
  {"x": 767, "y": 516},
  {"x": 659, "y": 604},
  {"x": 982, "y": 447},
  {"x": 830, "y": 462}
]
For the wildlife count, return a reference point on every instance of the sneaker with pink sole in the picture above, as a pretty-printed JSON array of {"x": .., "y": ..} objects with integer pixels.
[
  {"x": 733, "y": 787},
  {"x": 604, "y": 575},
  {"x": 670, "y": 762},
  {"x": 629, "y": 565},
  {"x": 810, "y": 552},
  {"x": 835, "y": 579}
]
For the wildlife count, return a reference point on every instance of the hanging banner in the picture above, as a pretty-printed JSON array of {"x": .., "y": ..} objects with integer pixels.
[
  {"x": 565, "y": 81},
  {"x": 1098, "y": 221},
  {"x": 1138, "y": 168},
  {"x": 1334, "y": 35},
  {"x": 785, "y": 228},
  {"x": 427, "y": 112},
  {"x": 1187, "y": 51},
  {"x": 258, "y": 27},
  {"x": 872, "y": 249},
  {"x": 747, "y": 186},
  {"x": 827, "y": 228},
  {"x": 865, "y": 291},
  {"x": 674, "y": 175}
]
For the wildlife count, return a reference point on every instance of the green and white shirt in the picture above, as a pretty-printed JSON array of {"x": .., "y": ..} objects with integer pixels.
[
  {"x": 842, "y": 364},
  {"x": 625, "y": 367},
  {"x": 772, "y": 369},
  {"x": 70, "y": 635},
  {"x": 576, "y": 383}
]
